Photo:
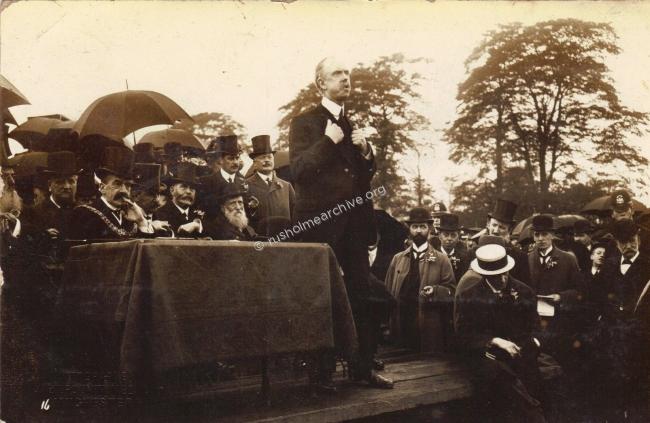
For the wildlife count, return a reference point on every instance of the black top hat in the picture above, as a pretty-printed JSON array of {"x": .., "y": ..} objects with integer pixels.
[
  {"x": 86, "y": 186},
  {"x": 542, "y": 223},
  {"x": 144, "y": 153},
  {"x": 449, "y": 222},
  {"x": 419, "y": 215},
  {"x": 184, "y": 173},
  {"x": 61, "y": 163},
  {"x": 261, "y": 145},
  {"x": 229, "y": 191},
  {"x": 624, "y": 230},
  {"x": 116, "y": 161},
  {"x": 147, "y": 176},
  {"x": 504, "y": 211},
  {"x": 620, "y": 200},
  {"x": 224, "y": 144},
  {"x": 173, "y": 149},
  {"x": 582, "y": 227}
]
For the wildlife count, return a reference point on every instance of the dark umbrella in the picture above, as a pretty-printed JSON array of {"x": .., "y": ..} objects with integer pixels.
[
  {"x": 30, "y": 134},
  {"x": 28, "y": 163},
  {"x": 181, "y": 136},
  {"x": 10, "y": 95},
  {"x": 117, "y": 115},
  {"x": 519, "y": 227},
  {"x": 566, "y": 221},
  {"x": 603, "y": 204},
  {"x": 7, "y": 117}
]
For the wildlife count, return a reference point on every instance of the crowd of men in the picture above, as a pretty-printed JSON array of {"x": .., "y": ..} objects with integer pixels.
[{"x": 496, "y": 301}]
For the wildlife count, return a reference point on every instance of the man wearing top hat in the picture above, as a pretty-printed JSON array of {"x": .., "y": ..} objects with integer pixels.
[
  {"x": 332, "y": 162},
  {"x": 416, "y": 276},
  {"x": 451, "y": 245},
  {"x": 223, "y": 158},
  {"x": 184, "y": 219},
  {"x": 276, "y": 196},
  {"x": 582, "y": 243},
  {"x": 231, "y": 223},
  {"x": 113, "y": 215},
  {"x": 494, "y": 318}
]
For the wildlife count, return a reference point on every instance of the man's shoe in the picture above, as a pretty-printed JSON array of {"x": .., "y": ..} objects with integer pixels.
[
  {"x": 378, "y": 381},
  {"x": 377, "y": 364}
]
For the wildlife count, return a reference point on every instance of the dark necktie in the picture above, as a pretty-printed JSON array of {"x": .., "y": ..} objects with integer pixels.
[
  {"x": 627, "y": 261},
  {"x": 268, "y": 181}
]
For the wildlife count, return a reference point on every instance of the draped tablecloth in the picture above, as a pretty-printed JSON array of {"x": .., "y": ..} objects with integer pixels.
[{"x": 181, "y": 303}]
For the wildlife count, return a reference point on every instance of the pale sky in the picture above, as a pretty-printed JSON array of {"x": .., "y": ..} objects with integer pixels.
[{"x": 247, "y": 59}]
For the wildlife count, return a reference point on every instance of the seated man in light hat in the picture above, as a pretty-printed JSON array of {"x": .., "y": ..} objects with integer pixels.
[{"x": 494, "y": 318}]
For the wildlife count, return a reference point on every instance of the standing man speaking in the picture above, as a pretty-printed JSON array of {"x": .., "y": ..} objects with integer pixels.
[{"x": 330, "y": 163}]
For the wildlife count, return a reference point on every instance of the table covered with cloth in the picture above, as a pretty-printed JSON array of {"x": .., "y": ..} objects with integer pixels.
[{"x": 180, "y": 303}]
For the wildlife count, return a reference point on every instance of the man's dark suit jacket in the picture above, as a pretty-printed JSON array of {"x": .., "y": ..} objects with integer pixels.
[
  {"x": 211, "y": 188},
  {"x": 459, "y": 259},
  {"x": 88, "y": 225},
  {"x": 170, "y": 213},
  {"x": 327, "y": 174},
  {"x": 563, "y": 277},
  {"x": 617, "y": 293},
  {"x": 219, "y": 228},
  {"x": 36, "y": 220}
]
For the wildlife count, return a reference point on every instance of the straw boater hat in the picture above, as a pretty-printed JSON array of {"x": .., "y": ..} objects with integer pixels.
[{"x": 492, "y": 259}]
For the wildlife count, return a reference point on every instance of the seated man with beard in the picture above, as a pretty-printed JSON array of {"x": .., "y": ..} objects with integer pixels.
[{"x": 231, "y": 222}]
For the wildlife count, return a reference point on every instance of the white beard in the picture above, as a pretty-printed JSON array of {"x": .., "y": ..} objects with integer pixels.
[{"x": 237, "y": 218}]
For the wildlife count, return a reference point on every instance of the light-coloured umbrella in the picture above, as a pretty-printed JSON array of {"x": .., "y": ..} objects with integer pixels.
[
  {"x": 119, "y": 114},
  {"x": 10, "y": 95},
  {"x": 181, "y": 136}
]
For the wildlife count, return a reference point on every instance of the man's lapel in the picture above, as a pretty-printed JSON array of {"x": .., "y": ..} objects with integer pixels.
[{"x": 345, "y": 151}]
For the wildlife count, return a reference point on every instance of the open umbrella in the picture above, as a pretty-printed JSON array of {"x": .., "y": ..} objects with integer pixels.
[
  {"x": 118, "y": 114},
  {"x": 566, "y": 221},
  {"x": 521, "y": 226},
  {"x": 9, "y": 95},
  {"x": 60, "y": 137},
  {"x": 7, "y": 117},
  {"x": 181, "y": 136},
  {"x": 28, "y": 163},
  {"x": 30, "y": 134},
  {"x": 603, "y": 204}
]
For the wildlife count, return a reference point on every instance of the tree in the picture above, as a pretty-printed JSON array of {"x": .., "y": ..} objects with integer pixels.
[
  {"x": 539, "y": 97},
  {"x": 383, "y": 95},
  {"x": 207, "y": 126}
]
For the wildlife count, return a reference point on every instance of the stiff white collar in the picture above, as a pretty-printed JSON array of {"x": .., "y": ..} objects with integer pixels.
[
  {"x": 186, "y": 211},
  {"x": 546, "y": 252},
  {"x": 227, "y": 176},
  {"x": 422, "y": 248},
  {"x": 114, "y": 209},
  {"x": 333, "y": 108},
  {"x": 54, "y": 202},
  {"x": 265, "y": 178}
]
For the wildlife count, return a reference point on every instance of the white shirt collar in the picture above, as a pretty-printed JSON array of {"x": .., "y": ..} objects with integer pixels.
[
  {"x": 547, "y": 251},
  {"x": 114, "y": 209},
  {"x": 54, "y": 202},
  {"x": 450, "y": 253},
  {"x": 632, "y": 259},
  {"x": 333, "y": 108},
  {"x": 422, "y": 248},
  {"x": 265, "y": 178},
  {"x": 186, "y": 211},
  {"x": 227, "y": 175}
]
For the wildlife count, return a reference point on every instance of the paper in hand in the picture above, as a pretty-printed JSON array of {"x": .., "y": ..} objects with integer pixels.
[{"x": 545, "y": 309}]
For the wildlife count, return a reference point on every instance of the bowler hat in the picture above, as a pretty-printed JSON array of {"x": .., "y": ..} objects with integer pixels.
[
  {"x": 185, "y": 173},
  {"x": 492, "y": 259},
  {"x": 116, "y": 161},
  {"x": 542, "y": 223},
  {"x": 419, "y": 215},
  {"x": 624, "y": 230},
  {"x": 449, "y": 222},
  {"x": 261, "y": 145},
  {"x": 620, "y": 200},
  {"x": 582, "y": 227},
  {"x": 504, "y": 211},
  {"x": 229, "y": 191},
  {"x": 147, "y": 176},
  {"x": 61, "y": 163}
]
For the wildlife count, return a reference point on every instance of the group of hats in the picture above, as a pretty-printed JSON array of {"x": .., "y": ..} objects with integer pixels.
[
  {"x": 448, "y": 221},
  {"x": 227, "y": 144}
]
